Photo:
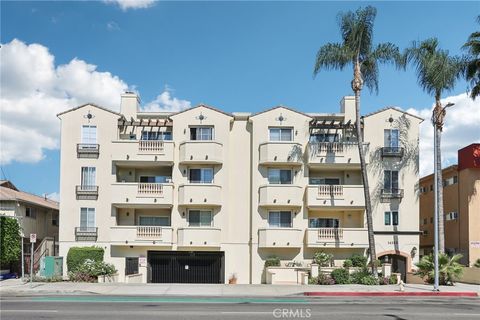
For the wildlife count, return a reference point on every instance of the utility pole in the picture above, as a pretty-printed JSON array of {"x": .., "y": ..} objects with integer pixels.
[{"x": 438, "y": 117}]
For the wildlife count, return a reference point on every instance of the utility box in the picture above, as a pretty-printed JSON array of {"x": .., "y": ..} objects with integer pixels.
[{"x": 51, "y": 266}]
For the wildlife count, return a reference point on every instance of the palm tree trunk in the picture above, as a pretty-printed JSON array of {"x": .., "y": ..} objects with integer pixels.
[
  {"x": 441, "y": 221},
  {"x": 366, "y": 188}
]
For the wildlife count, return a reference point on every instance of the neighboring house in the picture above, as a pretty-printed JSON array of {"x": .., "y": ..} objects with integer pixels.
[
  {"x": 201, "y": 195},
  {"x": 461, "y": 207},
  {"x": 35, "y": 214}
]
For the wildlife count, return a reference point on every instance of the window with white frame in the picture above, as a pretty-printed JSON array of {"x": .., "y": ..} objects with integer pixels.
[
  {"x": 391, "y": 138},
  {"x": 200, "y": 218},
  {"x": 55, "y": 219},
  {"x": 451, "y": 216},
  {"x": 391, "y": 218},
  {"x": 157, "y": 135},
  {"x": 200, "y": 175},
  {"x": 88, "y": 177},
  {"x": 281, "y": 134},
  {"x": 163, "y": 221},
  {"x": 279, "y": 176},
  {"x": 31, "y": 213},
  {"x": 201, "y": 133},
  {"x": 89, "y": 134},
  {"x": 390, "y": 182},
  {"x": 87, "y": 218},
  {"x": 323, "y": 223},
  {"x": 280, "y": 219}
]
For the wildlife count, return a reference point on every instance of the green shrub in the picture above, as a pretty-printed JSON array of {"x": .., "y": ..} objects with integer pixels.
[
  {"x": 324, "y": 279},
  {"x": 369, "y": 280},
  {"x": 10, "y": 241},
  {"x": 449, "y": 268},
  {"x": 347, "y": 263},
  {"x": 357, "y": 276},
  {"x": 393, "y": 279},
  {"x": 477, "y": 263},
  {"x": 383, "y": 281},
  {"x": 340, "y": 276},
  {"x": 358, "y": 260},
  {"x": 47, "y": 279},
  {"x": 90, "y": 270},
  {"x": 323, "y": 259},
  {"x": 272, "y": 262},
  {"x": 77, "y": 255},
  {"x": 313, "y": 280},
  {"x": 377, "y": 263}
]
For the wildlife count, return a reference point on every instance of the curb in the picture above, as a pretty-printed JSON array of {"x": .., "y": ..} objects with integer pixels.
[{"x": 391, "y": 294}]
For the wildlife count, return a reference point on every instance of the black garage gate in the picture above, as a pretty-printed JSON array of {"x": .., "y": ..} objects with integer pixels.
[{"x": 185, "y": 267}]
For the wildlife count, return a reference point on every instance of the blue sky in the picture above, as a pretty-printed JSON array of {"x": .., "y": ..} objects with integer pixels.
[{"x": 240, "y": 56}]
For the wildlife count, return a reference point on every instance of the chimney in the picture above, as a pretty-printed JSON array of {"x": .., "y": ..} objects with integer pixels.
[
  {"x": 129, "y": 104},
  {"x": 347, "y": 107}
]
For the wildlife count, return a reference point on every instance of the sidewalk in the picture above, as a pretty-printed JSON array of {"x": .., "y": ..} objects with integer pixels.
[{"x": 14, "y": 287}]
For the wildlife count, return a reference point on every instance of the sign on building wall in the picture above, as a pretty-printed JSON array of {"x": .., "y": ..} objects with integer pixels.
[
  {"x": 142, "y": 261},
  {"x": 33, "y": 237},
  {"x": 475, "y": 244}
]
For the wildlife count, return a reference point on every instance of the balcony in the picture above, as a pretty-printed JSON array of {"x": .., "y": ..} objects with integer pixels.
[
  {"x": 335, "y": 154},
  {"x": 141, "y": 235},
  {"x": 392, "y": 152},
  {"x": 387, "y": 194},
  {"x": 201, "y": 152},
  {"x": 335, "y": 196},
  {"x": 86, "y": 234},
  {"x": 199, "y": 237},
  {"x": 280, "y": 195},
  {"x": 279, "y": 238},
  {"x": 86, "y": 192},
  {"x": 199, "y": 194},
  {"x": 133, "y": 194},
  {"x": 337, "y": 238},
  {"x": 88, "y": 150},
  {"x": 131, "y": 151},
  {"x": 280, "y": 153}
]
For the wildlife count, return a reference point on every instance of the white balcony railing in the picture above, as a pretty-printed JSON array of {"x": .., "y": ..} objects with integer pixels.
[
  {"x": 335, "y": 196},
  {"x": 141, "y": 235},
  {"x": 149, "y": 232},
  {"x": 330, "y": 190},
  {"x": 150, "y": 146},
  {"x": 150, "y": 189},
  {"x": 337, "y": 237},
  {"x": 330, "y": 233}
]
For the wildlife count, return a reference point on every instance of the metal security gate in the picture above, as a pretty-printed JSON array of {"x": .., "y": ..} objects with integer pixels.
[{"x": 185, "y": 267}]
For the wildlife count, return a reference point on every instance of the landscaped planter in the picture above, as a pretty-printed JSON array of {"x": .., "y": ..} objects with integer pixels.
[
  {"x": 108, "y": 279},
  {"x": 286, "y": 275}
]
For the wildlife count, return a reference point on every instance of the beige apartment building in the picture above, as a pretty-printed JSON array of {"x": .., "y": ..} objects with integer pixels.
[
  {"x": 203, "y": 195},
  {"x": 461, "y": 206}
]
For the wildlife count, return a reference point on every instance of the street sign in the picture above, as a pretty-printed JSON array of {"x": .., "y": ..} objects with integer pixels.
[{"x": 33, "y": 237}]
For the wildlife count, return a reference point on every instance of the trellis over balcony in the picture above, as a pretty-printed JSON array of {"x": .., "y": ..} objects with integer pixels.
[
  {"x": 335, "y": 154},
  {"x": 88, "y": 150},
  {"x": 131, "y": 194},
  {"x": 141, "y": 235},
  {"x": 85, "y": 192},
  {"x": 335, "y": 196},
  {"x": 280, "y": 153},
  {"x": 337, "y": 238},
  {"x": 132, "y": 152}
]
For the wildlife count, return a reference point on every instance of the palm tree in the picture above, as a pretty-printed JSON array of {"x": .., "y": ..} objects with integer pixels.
[
  {"x": 437, "y": 72},
  {"x": 450, "y": 268},
  {"x": 473, "y": 67},
  {"x": 357, "y": 50}
]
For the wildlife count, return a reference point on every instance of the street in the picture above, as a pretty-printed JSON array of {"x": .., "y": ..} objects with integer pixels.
[{"x": 295, "y": 307}]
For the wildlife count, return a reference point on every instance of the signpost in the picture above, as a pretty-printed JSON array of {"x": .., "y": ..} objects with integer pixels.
[{"x": 33, "y": 239}]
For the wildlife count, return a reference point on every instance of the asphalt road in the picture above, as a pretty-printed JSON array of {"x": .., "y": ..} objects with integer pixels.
[{"x": 123, "y": 307}]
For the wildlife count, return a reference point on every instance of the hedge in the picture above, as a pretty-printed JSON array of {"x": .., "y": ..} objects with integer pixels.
[{"x": 77, "y": 255}]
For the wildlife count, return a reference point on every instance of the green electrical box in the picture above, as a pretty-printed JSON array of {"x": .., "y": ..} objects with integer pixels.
[{"x": 51, "y": 266}]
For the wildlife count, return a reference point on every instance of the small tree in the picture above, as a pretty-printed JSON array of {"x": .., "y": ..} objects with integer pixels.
[
  {"x": 10, "y": 240},
  {"x": 323, "y": 259},
  {"x": 449, "y": 268}
]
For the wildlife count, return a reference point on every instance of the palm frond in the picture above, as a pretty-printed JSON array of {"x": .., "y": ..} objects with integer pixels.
[
  {"x": 369, "y": 70},
  {"x": 332, "y": 56}
]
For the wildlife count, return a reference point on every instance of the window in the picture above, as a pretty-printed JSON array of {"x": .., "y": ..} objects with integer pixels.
[
  {"x": 163, "y": 135},
  {"x": 455, "y": 179},
  {"x": 423, "y": 189},
  {"x": 391, "y": 218},
  {"x": 281, "y": 134},
  {"x": 279, "y": 176},
  {"x": 55, "y": 219},
  {"x": 89, "y": 134},
  {"x": 425, "y": 221},
  {"x": 88, "y": 177},
  {"x": 201, "y": 133},
  {"x": 87, "y": 218},
  {"x": 431, "y": 187},
  {"x": 154, "y": 221},
  {"x": 323, "y": 223},
  {"x": 131, "y": 265},
  {"x": 155, "y": 179},
  {"x": 280, "y": 219},
  {"x": 328, "y": 181},
  {"x": 451, "y": 216},
  {"x": 390, "y": 181},
  {"x": 324, "y": 137},
  {"x": 391, "y": 138},
  {"x": 31, "y": 213},
  {"x": 202, "y": 175},
  {"x": 198, "y": 218},
  {"x": 431, "y": 219}
]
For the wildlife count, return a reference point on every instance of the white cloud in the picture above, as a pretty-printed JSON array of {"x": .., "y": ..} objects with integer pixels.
[
  {"x": 55, "y": 196},
  {"x": 33, "y": 90},
  {"x": 461, "y": 129},
  {"x": 132, "y": 4},
  {"x": 165, "y": 102},
  {"x": 113, "y": 26}
]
